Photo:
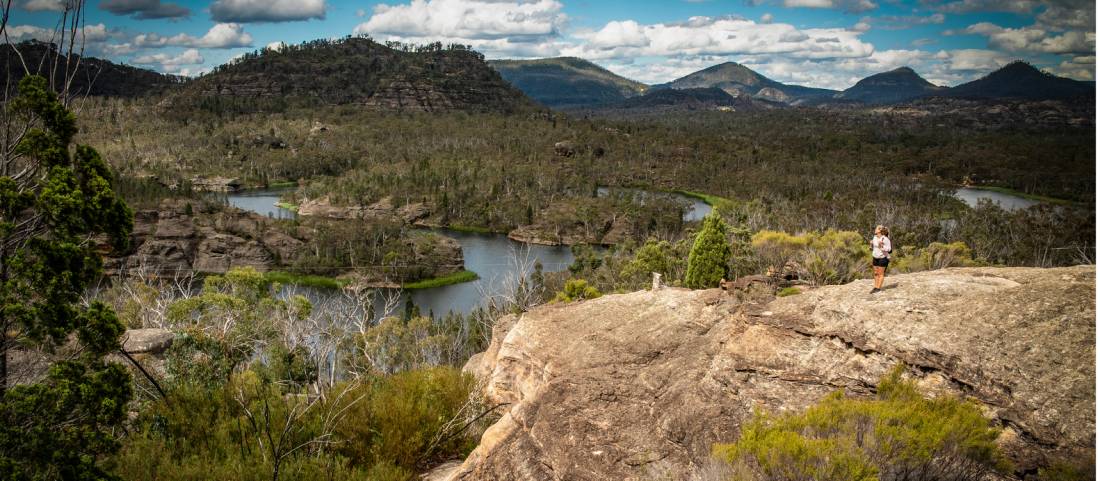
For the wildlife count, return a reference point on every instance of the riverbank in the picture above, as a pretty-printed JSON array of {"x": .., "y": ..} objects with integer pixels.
[
  {"x": 1023, "y": 195},
  {"x": 306, "y": 280},
  {"x": 449, "y": 279}
]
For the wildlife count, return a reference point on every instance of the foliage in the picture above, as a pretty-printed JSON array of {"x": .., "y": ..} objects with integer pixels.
[
  {"x": 1082, "y": 469},
  {"x": 322, "y": 282},
  {"x": 830, "y": 257},
  {"x": 403, "y": 419},
  {"x": 454, "y": 278},
  {"x": 788, "y": 291},
  {"x": 897, "y": 435},
  {"x": 225, "y": 323},
  {"x": 708, "y": 261},
  {"x": 52, "y": 201},
  {"x": 576, "y": 290},
  {"x": 395, "y": 345},
  {"x": 662, "y": 257},
  {"x": 796, "y": 170},
  {"x": 934, "y": 256},
  {"x": 379, "y": 429}
]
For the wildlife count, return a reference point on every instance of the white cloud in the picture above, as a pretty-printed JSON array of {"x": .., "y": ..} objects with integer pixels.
[
  {"x": 171, "y": 63},
  {"x": 470, "y": 19},
  {"x": 20, "y": 33},
  {"x": 974, "y": 60},
  {"x": 222, "y": 35},
  {"x": 496, "y": 28},
  {"x": 44, "y": 5},
  {"x": 619, "y": 34},
  {"x": 767, "y": 18},
  {"x": 275, "y": 46},
  {"x": 851, "y": 6},
  {"x": 90, "y": 34},
  {"x": 702, "y": 36},
  {"x": 970, "y": 6},
  {"x": 1032, "y": 39},
  {"x": 245, "y": 11}
]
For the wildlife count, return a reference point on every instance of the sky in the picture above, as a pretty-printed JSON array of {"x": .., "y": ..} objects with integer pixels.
[{"x": 817, "y": 43}]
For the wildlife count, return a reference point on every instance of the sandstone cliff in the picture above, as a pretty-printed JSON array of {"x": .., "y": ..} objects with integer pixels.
[
  {"x": 178, "y": 238},
  {"x": 641, "y": 385}
]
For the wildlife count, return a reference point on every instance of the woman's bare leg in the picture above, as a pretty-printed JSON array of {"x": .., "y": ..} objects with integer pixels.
[{"x": 879, "y": 274}]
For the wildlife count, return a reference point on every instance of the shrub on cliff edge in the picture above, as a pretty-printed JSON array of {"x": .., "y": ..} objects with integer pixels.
[{"x": 708, "y": 262}]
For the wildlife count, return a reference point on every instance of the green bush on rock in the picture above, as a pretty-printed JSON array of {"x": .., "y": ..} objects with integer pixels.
[
  {"x": 899, "y": 435},
  {"x": 708, "y": 261}
]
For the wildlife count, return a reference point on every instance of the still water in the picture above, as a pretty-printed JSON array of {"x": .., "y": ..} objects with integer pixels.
[
  {"x": 1006, "y": 201},
  {"x": 498, "y": 261},
  {"x": 695, "y": 209}
]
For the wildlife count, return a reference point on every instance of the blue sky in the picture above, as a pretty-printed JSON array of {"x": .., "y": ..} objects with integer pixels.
[{"x": 820, "y": 43}]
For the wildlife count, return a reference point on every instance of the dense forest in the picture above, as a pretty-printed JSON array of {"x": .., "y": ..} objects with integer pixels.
[{"x": 794, "y": 170}]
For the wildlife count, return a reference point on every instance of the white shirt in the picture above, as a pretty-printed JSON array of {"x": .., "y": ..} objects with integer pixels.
[{"x": 880, "y": 246}]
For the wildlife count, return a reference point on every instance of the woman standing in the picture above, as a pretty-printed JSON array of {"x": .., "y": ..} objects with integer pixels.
[{"x": 880, "y": 255}]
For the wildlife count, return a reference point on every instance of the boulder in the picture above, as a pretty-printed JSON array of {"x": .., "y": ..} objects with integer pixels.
[
  {"x": 565, "y": 148},
  {"x": 642, "y": 385},
  {"x": 147, "y": 341}
]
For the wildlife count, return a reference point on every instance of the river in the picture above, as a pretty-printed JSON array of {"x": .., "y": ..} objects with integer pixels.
[
  {"x": 695, "y": 209},
  {"x": 497, "y": 260},
  {"x": 1006, "y": 201}
]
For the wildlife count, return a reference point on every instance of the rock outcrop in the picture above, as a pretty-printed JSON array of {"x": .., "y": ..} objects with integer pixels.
[
  {"x": 179, "y": 238},
  {"x": 634, "y": 385},
  {"x": 383, "y": 210},
  {"x": 175, "y": 238}
]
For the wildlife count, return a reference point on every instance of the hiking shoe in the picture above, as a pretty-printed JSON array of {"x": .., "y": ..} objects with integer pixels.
[{"x": 874, "y": 290}]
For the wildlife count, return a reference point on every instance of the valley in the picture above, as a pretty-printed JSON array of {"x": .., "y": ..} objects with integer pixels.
[{"x": 409, "y": 260}]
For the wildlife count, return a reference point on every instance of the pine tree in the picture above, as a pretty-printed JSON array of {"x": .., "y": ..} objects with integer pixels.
[
  {"x": 709, "y": 259},
  {"x": 54, "y": 200}
]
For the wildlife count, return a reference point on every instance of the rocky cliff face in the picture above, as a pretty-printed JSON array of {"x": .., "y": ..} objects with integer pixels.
[
  {"x": 175, "y": 238},
  {"x": 641, "y": 385}
]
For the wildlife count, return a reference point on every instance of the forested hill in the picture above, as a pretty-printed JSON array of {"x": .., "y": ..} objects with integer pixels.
[
  {"x": 737, "y": 79},
  {"x": 890, "y": 87},
  {"x": 566, "y": 82},
  {"x": 93, "y": 76},
  {"x": 355, "y": 71},
  {"x": 1022, "y": 80}
]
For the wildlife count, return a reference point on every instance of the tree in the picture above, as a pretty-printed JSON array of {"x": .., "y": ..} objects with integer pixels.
[
  {"x": 54, "y": 202},
  {"x": 708, "y": 261}
]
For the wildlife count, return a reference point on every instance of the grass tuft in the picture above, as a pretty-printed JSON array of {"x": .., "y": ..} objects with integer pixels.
[{"x": 455, "y": 278}]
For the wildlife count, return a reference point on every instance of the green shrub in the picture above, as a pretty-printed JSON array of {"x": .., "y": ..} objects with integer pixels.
[
  {"x": 662, "y": 257},
  {"x": 935, "y": 256},
  {"x": 577, "y": 290},
  {"x": 404, "y": 419},
  {"x": 788, "y": 291},
  {"x": 1077, "y": 470},
  {"x": 381, "y": 429},
  {"x": 708, "y": 262},
  {"x": 897, "y": 435}
]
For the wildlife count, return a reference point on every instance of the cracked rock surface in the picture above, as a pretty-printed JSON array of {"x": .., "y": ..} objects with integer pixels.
[{"x": 641, "y": 385}]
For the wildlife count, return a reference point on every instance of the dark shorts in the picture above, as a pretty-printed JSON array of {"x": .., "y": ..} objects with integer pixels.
[{"x": 883, "y": 262}]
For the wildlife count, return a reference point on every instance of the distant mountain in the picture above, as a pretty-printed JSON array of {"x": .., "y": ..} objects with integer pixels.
[
  {"x": 1023, "y": 81},
  {"x": 897, "y": 85},
  {"x": 356, "y": 71},
  {"x": 692, "y": 99},
  {"x": 93, "y": 76},
  {"x": 736, "y": 79},
  {"x": 567, "y": 82}
]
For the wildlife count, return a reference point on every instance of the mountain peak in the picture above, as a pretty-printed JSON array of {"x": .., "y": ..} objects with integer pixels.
[
  {"x": 1020, "y": 79},
  {"x": 567, "y": 82},
  {"x": 896, "y": 85},
  {"x": 736, "y": 80}
]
